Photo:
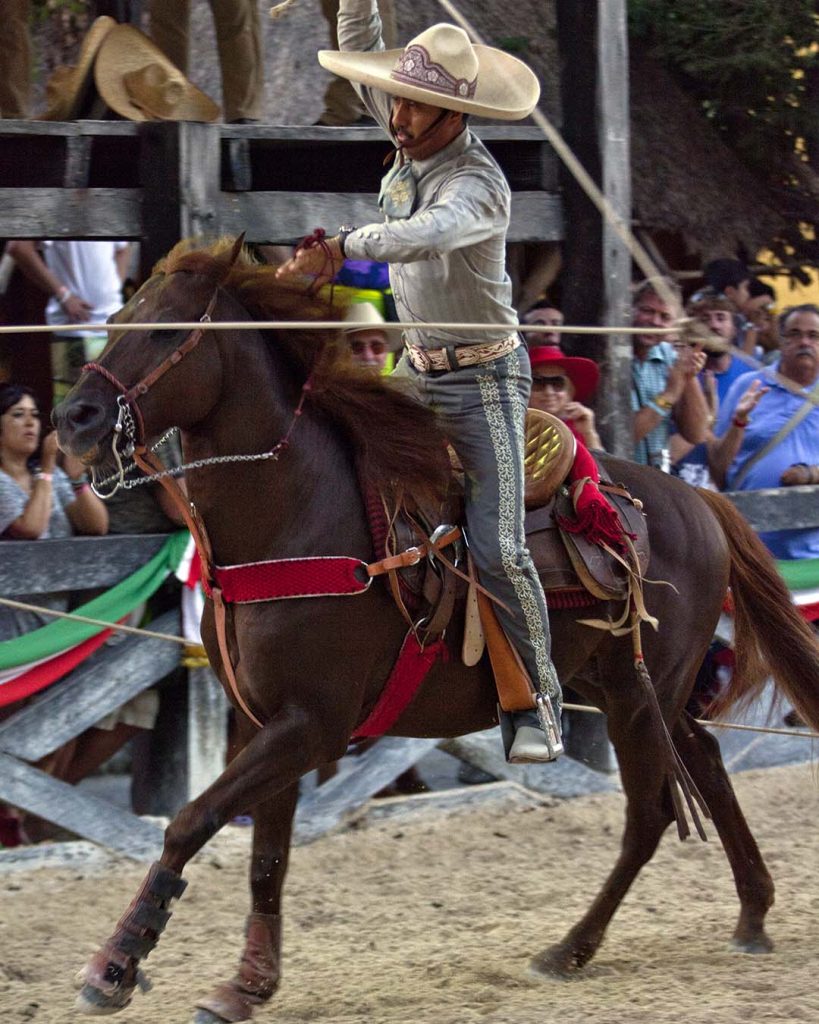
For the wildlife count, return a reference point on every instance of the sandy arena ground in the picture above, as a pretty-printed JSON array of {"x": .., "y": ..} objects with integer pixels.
[{"x": 433, "y": 920}]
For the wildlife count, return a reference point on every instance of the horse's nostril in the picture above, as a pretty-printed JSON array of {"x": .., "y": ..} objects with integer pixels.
[
  {"x": 77, "y": 416},
  {"x": 83, "y": 414}
]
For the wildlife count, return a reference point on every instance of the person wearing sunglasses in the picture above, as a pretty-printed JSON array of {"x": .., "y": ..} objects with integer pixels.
[
  {"x": 561, "y": 385},
  {"x": 369, "y": 345}
]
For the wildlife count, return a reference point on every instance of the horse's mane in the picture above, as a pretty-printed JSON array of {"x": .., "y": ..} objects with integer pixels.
[{"x": 399, "y": 444}]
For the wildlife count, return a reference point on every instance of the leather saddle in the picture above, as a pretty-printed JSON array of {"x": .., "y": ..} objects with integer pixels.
[{"x": 566, "y": 562}]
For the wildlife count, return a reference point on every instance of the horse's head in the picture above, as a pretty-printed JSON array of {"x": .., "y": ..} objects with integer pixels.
[{"x": 148, "y": 381}]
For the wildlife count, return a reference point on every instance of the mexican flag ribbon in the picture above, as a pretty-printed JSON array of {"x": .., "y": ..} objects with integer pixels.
[
  {"x": 802, "y": 579},
  {"x": 31, "y": 662}
]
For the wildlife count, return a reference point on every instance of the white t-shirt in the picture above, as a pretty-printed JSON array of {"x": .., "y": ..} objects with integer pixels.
[{"x": 88, "y": 269}]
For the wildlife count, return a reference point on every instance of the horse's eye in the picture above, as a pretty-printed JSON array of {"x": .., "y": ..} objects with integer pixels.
[{"x": 164, "y": 336}]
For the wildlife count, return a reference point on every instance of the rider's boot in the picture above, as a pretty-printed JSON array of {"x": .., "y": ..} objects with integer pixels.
[{"x": 537, "y": 736}]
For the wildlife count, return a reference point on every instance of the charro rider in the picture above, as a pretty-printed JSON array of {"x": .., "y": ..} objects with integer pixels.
[{"x": 446, "y": 208}]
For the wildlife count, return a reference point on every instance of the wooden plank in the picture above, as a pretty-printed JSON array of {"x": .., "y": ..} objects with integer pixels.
[
  {"x": 66, "y": 806},
  {"x": 207, "y": 730},
  {"x": 112, "y": 677},
  {"x": 342, "y": 798},
  {"x": 67, "y": 128},
  {"x": 780, "y": 508},
  {"x": 73, "y": 563},
  {"x": 322, "y": 133},
  {"x": 114, "y": 213},
  {"x": 279, "y": 218}
]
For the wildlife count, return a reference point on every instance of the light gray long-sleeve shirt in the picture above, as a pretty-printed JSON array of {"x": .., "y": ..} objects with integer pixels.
[{"x": 448, "y": 257}]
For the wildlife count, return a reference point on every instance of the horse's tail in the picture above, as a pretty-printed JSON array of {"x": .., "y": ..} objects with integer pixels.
[{"x": 770, "y": 636}]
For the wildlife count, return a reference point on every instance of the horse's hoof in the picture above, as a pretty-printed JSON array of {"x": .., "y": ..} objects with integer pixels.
[
  {"x": 94, "y": 1003},
  {"x": 206, "y": 1017},
  {"x": 555, "y": 963},
  {"x": 760, "y": 944}
]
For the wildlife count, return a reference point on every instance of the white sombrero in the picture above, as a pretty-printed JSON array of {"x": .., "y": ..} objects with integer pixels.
[
  {"x": 137, "y": 81},
  {"x": 442, "y": 67},
  {"x": 362, "y": 313}
]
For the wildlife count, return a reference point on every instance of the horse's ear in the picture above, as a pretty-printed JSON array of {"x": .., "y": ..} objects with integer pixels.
[{"x": 236, "y": 250}]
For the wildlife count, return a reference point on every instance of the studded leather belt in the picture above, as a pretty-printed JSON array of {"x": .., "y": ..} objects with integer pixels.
[{"x": 454, "y": 357}]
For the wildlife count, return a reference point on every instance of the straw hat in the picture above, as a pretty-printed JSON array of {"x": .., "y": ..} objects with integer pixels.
[
  {"x": 137, "y": 81},
  {"x": 583, "y": 373},
  {"x": 67, "y": 88},
  {"x": 441, "y": 66}
]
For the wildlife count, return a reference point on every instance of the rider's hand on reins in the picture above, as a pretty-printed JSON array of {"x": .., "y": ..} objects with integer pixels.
[{"x": 317, "y": 257}]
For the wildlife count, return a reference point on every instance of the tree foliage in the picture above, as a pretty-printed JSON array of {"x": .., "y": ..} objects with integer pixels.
[
  {"x": 43, "y": 9},
  {"x": 753, "y": 65}
]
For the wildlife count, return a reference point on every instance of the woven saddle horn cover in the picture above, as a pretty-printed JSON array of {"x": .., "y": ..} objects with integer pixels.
[{"x": 548, "y": 457}]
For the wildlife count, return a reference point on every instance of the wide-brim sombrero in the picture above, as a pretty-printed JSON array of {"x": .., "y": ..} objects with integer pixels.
[
  {"x": 442, "y": 67},
  {"x": 136, "y": 80},
  {"x": 67, "y": 88}
]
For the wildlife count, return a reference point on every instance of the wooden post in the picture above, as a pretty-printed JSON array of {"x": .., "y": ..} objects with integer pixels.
[
  {"x": 596, "y": 267},
  {"x": 207, "y": 730},
  {"x": 180, "y": 178}
]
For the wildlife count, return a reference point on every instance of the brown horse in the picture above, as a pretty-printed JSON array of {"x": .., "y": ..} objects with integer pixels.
[{"x": 311, "y": 670}]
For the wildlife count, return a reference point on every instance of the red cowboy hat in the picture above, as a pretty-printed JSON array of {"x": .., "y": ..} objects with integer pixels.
[{"x": 583, "y": 373}]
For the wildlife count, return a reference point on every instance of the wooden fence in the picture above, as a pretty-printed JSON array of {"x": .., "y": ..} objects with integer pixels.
[{"x": 161, "y": 181}]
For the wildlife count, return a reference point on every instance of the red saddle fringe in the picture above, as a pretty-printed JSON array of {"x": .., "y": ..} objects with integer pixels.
[{"x": 595, "y": 517}]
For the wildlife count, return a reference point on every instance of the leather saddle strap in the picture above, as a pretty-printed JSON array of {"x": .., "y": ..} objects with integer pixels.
[
  {"x": 151, "y": 464},
  {"x": 443, "y": 608},
  {"x": 220, "y": 616},
  {"x": 469, "y": 578},
  {"x": 412, "y": 556}
]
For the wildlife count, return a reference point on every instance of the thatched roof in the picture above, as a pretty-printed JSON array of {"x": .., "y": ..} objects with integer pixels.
[{"x": 685, "y": 179}]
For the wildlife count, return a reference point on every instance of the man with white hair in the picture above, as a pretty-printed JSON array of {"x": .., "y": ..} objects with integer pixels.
[
  {"x": 446, "y": 205},
  {"x": 369, "y": 345}
]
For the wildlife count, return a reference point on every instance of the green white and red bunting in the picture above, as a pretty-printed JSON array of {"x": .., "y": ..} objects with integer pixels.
[
  {"x": 32, "y": 662},
  {"x": 802, "y": 579}
]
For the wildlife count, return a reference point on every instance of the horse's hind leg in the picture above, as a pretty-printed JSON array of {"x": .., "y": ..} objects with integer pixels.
[
  {"x": 754, "y": 885},
  {"x": 648, "y": 813},
  {"x": 259, "y": 968}
]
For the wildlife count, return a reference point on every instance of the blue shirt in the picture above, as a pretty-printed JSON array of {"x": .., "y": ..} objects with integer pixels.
[
  {"x": 801, "y": 445},
  {"x": 698, "y": 456},
  {"x": 649, "y": 377}
]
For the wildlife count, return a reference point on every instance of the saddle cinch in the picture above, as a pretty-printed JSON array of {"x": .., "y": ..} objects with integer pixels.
[{"x": 575, "y": 571}]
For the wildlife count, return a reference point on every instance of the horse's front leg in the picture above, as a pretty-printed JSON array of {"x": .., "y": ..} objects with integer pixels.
[
  {"x": 277, "y": 756},
  {"x": 260, "y": 965}
]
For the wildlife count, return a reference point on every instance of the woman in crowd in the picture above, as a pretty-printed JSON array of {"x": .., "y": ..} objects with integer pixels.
[
  {"x": 37, "y": 498},
  {"x": 560, "y": 386},
  {"x": 40, "y": 500}
]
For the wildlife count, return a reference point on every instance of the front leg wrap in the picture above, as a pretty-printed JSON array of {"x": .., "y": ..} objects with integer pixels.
[
  {"x": 258, "y": 975},
  {"x": 112, "y": 974}
]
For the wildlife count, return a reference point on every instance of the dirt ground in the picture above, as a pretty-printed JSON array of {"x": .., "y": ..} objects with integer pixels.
[{"x": 432, "y": 920}]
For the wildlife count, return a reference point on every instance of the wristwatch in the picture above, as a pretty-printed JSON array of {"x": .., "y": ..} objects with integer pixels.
[
  {"x": 341, "y": 235},
  {"x": 664, "y": 403}
]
